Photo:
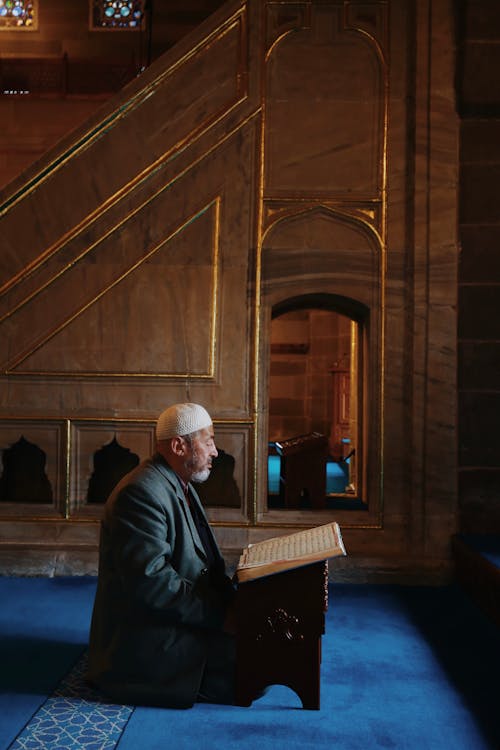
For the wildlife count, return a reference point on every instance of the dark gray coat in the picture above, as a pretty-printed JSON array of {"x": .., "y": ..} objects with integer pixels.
[{"x": 157, "y": 610}]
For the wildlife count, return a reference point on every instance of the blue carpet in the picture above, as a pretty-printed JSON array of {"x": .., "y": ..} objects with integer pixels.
[
  {"x": 405, "y": 668},
  {"x": 44, "y": 629}
]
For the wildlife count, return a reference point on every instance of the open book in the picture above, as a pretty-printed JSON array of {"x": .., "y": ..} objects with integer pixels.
[{"x": 291, "y": 551}]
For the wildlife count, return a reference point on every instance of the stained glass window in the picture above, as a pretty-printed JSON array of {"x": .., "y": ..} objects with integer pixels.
[
  {"x": 18, "y": 15},
  {"x": 116, "y": 14}
]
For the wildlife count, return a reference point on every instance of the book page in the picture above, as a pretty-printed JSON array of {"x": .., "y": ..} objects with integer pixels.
[{"x": 303, "y": 544}]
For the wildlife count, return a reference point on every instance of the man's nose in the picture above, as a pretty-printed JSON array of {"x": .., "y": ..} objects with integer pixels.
[{"x": 214, "y": 452}]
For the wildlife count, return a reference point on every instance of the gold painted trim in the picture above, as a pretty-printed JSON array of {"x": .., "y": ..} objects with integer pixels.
[
  {"x": 255, "y": 395},
  {"x": 376, "y": 43},
  {"x": 91, "y": 374},
  {"x": 323, "y": 197},
  {"x": 383, "y": 232},
  {"x": 216, "y": 271},
  {"x": 114, "y": 200},
  {"x": 278, "y": 208},
  {"x": 123, "y": 110},
  {"x": 213, "y": 318},
  {"x": 305, "y": 5},
  {"x": 67, "y": 485},
  {"x": 94, "y": 216},
  {"x": 345, "y": 215}
]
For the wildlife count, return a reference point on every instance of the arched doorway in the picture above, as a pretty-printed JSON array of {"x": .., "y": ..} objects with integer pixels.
[{"x": 314, "y": 402}]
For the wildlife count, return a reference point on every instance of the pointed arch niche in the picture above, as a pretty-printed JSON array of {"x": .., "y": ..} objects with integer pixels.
[{"x": 322, "y": 278}]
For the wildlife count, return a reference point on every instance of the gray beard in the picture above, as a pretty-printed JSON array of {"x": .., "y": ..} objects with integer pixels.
[{"x": 200, "y": 476}]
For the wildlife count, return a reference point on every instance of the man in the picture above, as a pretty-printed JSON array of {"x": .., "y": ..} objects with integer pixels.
[{"x": 159, "y": 626}]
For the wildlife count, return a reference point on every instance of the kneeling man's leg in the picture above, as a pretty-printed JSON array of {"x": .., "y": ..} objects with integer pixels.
[{"x": 218, "y": 681}]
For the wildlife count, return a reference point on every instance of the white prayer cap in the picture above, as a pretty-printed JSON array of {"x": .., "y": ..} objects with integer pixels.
[{"x": 182, "y": 419}]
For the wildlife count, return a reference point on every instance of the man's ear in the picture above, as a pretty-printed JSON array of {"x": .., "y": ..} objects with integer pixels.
[{"x": 178, "y": 446}]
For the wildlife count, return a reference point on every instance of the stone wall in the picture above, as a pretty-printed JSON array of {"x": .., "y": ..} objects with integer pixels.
[{"x": 479, "y": 270}]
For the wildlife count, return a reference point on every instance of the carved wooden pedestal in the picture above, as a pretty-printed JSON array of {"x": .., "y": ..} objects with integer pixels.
[{"x": 281, "y": 619}]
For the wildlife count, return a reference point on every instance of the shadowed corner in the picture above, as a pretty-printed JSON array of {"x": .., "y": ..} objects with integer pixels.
[
  {"x": 34, "y": 665},
  {"x": 466, "y": 645}
]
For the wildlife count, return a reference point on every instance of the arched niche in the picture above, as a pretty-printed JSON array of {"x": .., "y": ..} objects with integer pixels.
[
  {"x": 315, "y": 409},
  {"x": 23, "y": 478},
  {"x": 324, "y": 260},
  {"x": 328, "y": 67}
]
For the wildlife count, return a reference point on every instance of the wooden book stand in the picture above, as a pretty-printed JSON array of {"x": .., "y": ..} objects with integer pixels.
[{"x": 281, "y": 619}]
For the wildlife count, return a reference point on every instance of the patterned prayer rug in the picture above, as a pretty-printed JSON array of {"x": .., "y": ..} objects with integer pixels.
[{"x": 74, "y": 717}]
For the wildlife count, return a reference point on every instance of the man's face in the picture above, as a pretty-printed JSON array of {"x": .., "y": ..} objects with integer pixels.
[{"x": 201, "y": 451}]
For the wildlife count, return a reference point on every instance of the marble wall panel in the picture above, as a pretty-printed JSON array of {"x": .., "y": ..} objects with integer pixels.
[
  {"x": 478, "y": 332},
  {"x": 160, "y": 297},
  {"x": 49, "y": 533},
  {"x": 324, "y": 110},
  {"x": 322, "y": 244},
  {"x": 127, "y": 306},
  {"x": 182, "y": 96},
  {"x": 45, "y": 121},
  {"x": 32, "y": 560}
]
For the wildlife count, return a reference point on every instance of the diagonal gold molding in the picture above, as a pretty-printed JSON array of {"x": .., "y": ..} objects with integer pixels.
[
  {"x": 79, "y": 229},
  {"x": 123, "y": 110},
  {"x": 12, "y": 368}
]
